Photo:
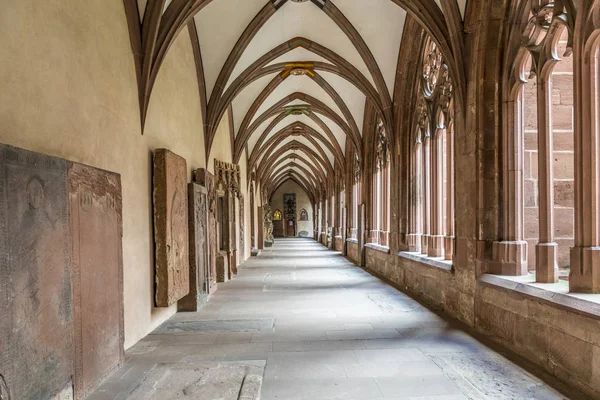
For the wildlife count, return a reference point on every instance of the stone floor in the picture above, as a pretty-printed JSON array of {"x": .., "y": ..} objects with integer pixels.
[{"x": 315, "y": 327}]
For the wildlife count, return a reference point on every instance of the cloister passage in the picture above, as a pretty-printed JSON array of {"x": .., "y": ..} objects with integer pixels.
[
  {"x": 221, "y": 199},
  {"x": 318, "y": 328}
]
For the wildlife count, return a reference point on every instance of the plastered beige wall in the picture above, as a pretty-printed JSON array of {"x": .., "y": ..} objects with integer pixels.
[
  {"x": 221, "y": 147},
  {"x": 68, "y": 89},
  {"x": 302, "y": 201}
]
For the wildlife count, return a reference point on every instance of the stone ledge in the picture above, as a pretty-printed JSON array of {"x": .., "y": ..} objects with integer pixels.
[
  {"x": 565, "y": 301},
  {"x": 428, "y": 261},
  {"x": 376, "y": 247},
  {"x": 351, "y": 240}
]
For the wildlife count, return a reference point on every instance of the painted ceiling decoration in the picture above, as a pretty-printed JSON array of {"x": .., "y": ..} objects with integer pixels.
[{"x": 296, "y": 75}]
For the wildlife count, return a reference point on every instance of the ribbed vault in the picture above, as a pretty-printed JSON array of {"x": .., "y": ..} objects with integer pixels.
[{"x": 297, "y": 76}]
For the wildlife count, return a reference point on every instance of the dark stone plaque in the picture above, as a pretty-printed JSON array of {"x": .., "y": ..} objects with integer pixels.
[
  {"x": 97, "y": 231},
  {"x": 199, "y": 250},
  {"x": 207, "y": 180},
  {"x": 36, "y": 328},
  {"x": 242, "y": 250},
  {"x": 171, "y": 240}
]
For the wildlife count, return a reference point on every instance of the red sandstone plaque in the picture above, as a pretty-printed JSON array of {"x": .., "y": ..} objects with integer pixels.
[
  {"x": 207, "y": 180},
  {"x": 172, "y": 279},
  {"x": 199, "y": 250},
  {"x": 36, "y": 329},
  {"x": 97, "y": 231}
]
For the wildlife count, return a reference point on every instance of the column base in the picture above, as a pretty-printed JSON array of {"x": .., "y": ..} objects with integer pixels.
[
  {"x": 585, "y": 270},
  {"x": 449, "y": 247},
  {"x": 509, "y": 258},
  {"x": 425, "y": 244},
  {"x": 546, "y": 268},
  {"x": 414, "y": 242},
  {"x": 435, "y": 247}
]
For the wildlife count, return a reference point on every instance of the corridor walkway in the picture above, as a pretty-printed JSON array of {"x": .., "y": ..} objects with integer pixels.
[{"x": 319, "y": 328}]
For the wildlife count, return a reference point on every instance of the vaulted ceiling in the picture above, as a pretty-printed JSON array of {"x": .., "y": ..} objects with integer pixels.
[{"x": 296, "y": 74}]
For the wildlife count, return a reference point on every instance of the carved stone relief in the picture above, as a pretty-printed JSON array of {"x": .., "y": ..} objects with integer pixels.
[
  {"x": 36, "y": 323},
  {"x": 241, "y": 230},
  {"x": 207, "y": 180},
  {"x": 97, "y": 278},
  {"x": 268, "y": 226},
  {"x": 200, "y": 251},
  {"x": 170, "y": 228}
]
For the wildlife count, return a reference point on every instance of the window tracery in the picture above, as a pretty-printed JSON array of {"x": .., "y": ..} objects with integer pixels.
[
  {"x": 381, "y": 184},
  {"x": 539, "y": 138},
  {"x": 431, "y": 220}
]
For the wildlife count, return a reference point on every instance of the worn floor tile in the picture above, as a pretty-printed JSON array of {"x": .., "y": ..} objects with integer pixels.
[{"x": 321, "y": 329}]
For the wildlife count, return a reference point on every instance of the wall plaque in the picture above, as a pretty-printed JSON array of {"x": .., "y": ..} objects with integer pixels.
[
  {"x": 97, "y": 231},
  {"x": 36, "y": 325},
  {"x": 207, "y": 180},
  {"x": 199, "y": 250},
  {"x": 170, "y": 228}
]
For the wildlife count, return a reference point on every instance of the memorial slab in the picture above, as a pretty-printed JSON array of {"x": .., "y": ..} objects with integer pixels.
[
  {"x": 207, "y": 180},
  {"x": 97, "y": 278},
  {"x": 199, "y": 250},
  {"x": 36, "y": 324},
  {"x": 170, "y": 228}
]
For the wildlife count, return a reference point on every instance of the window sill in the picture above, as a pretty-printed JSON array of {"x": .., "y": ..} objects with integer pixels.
[
  {"x": 556, "y": 294},
  {"x": 382, "y": 249},
  {"x": 439, "y": 263},
  {"x": 351, "y": 240}
]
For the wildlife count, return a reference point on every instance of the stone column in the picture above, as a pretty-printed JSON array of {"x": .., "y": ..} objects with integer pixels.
[
  {"x": 585, "y": 255},
  {"x": 384, "y": 238},
  {"x": 546, "y": 249},
  {"x": 510, "y": 254},
  {"x": 426, "y": 200},
  {"x": 436, "y": 239},
  {"x": 361, "y": 233},
  {"x": 415, "y": 218},
  {"x": 449, "y": 239}
]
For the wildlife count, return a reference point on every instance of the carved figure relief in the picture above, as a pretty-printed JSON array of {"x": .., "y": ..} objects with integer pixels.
[
  {"x": 36, "y": 321},
  {"x": 268, "y": 225},
  {"x": 170, "y": 228},
  {"x": 206, "y": 180},
  {"x": 200, "y": 251},
  {"x": 289, "y": 204},
  {"x": 242, "y": 229},
  {"x": 303, "y": 215}
]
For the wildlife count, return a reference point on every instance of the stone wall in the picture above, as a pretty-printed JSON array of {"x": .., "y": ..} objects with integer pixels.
[
  {"x": 353, "y": 253},
  {"x": 559, "y": 333},
  {"x": 338, "y": 243}
]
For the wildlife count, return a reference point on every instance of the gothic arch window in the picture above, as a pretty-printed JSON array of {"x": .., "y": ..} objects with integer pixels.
[
  {"x": 431, "y": 165},
  {"x": 381, "y": 192},
  {"x": 538, "y": 173},
  {"x": 585, "y": 268}
]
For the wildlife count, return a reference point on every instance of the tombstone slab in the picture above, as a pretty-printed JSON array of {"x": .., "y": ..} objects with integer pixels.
[
  {"x": 170, "y": 228},
  {"x": 199, "y": 250},
  {"x": 97, "y": 278},
  {"x": 207, "y": 180},
  {"x": 36, "y": 324}
]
